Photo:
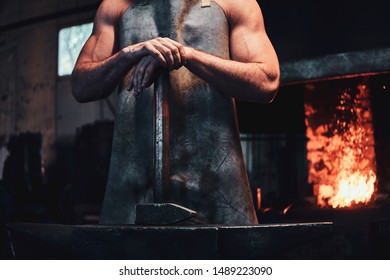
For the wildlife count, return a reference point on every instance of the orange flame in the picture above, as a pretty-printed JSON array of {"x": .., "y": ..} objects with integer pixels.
[
  {"x": 341, "y": 153},
  {"x": 353, "y": 181},
  {"x": 351, "y": 189}
]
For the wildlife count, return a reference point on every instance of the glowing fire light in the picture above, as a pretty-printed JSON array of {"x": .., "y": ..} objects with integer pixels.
[
  {"x": 341, "y": 153},
  {"x": 351, "y": 189}
]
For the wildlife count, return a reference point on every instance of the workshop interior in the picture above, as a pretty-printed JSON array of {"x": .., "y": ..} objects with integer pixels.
[{"x": 317, "y": 157}]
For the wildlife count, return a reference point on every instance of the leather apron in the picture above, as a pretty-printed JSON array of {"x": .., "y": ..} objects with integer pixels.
[{"x": 207, "y": 171}]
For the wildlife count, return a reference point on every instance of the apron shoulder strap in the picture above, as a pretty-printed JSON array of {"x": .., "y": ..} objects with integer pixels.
[{"x": 205, "y": 3}]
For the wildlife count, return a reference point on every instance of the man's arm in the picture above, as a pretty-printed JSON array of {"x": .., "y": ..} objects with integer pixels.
[
  {"x": 253, "y": 72},
  {"x": 97, "y": 71},
  {"x": 99, "y": 68}
]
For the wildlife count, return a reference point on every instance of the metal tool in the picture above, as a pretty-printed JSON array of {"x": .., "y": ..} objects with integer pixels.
[{"x": 161, "y": 211}]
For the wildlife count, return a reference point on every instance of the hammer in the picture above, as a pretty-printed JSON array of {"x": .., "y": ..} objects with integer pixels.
[{"x": 161, "y": 212}]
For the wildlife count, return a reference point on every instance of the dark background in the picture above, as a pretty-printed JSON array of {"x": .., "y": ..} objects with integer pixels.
[{"x": 305, "y": 29}]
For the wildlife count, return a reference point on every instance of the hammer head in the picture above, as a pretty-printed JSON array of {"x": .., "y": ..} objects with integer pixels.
[{"x": 161, "y": 213}]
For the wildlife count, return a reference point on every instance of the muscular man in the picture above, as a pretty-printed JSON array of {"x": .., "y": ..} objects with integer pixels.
[{"x": 215, "y": 52}]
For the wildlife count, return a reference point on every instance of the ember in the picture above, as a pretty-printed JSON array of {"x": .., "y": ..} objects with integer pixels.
[{"x": 341, "y": 148}]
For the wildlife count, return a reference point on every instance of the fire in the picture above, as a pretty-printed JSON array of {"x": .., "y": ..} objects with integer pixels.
[
  {"x": 351, "y": 189},
  {"x": 341, "y": 151}
]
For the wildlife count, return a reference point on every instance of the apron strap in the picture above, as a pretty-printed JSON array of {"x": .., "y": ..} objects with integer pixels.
[{"x": 205, "y": 3}]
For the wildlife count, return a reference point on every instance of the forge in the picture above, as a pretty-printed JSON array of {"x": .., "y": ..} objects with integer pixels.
[
  {"x": 346, "y": 149},
  {"x": 347, "y": 128}
]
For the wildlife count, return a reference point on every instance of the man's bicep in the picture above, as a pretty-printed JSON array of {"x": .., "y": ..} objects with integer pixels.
[
  {"x": 99, "y": 45},
  {"x": 102, "y": 42},
  {"x": 249, "y": 41},
  {"x": 247, "y": 45}
]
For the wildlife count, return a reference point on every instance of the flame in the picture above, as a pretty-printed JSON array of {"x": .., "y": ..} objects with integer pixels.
[
  {"x": 353, "y": 181},
  {"x": 341, "y": 152},
  {"x": 351, "y": 189}
]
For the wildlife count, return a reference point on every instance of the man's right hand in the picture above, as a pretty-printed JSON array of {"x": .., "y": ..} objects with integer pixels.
[
  {"x": 160, "y": 53},
  {"x": 168, "y": 53}
]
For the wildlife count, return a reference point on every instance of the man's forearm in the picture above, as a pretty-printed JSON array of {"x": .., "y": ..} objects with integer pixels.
[
  {"x": 256, "y": 82},
  {"x": 95, "y": 80},
  {"x": 92, "y": 80}
]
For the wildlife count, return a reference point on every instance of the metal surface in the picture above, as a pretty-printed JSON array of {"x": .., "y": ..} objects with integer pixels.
[
  {"x": 335, "y": 66},
  {"x": 162, "y": 214},
  {"x": 161, "y": 138},
  {"x": 145, "y": 243},
  {"x": 276, "y": 241},
  {"x": 270, "y": 241},
  {"x": 40, "y": 241}
]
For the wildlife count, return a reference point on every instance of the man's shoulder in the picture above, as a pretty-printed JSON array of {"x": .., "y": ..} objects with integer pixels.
[
  {"x": 114, "y": 8},
  {"x": 235, "y": 4},
  {"x": 237, "y": 8}
]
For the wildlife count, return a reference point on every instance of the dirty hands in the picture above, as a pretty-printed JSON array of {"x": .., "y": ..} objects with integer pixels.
[{"x": 156, "y": 54}]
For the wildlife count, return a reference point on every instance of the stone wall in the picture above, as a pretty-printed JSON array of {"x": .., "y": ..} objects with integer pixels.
[{"x": 28, "y": 69}]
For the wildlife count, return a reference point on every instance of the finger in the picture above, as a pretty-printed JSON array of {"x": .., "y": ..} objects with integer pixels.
[
  {"x": 180, "y": 48},
  {"x": 134, "y": 77},
  {"x": 174, "y": 52},
  {"x": 177, "y": 59},
  {"x": 150, "y": 73},
  {"x": 167, "y": 53},
  {"x": 130, "y": 84},
  {"x": 183, "y": 55},
  {"x": 141, "y": 68},
  {"x": 156, "y": 53}
]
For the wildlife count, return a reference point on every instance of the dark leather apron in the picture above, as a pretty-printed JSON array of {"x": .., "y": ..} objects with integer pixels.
[{"x": 207, "y": 171}]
